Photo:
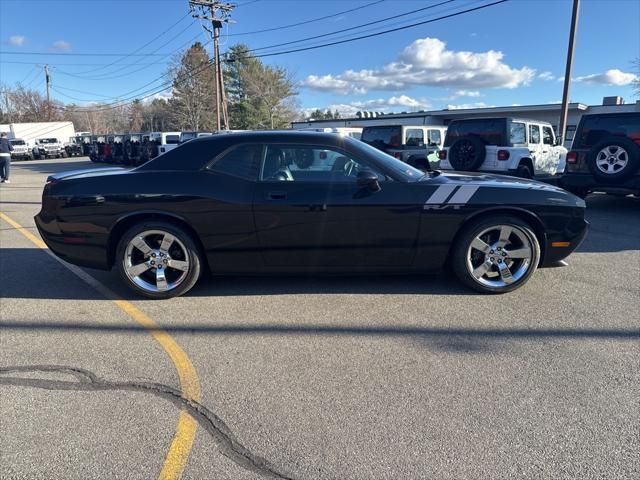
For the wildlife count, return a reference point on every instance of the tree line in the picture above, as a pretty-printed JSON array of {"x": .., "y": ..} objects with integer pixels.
[{"x": 259, "y": 96}]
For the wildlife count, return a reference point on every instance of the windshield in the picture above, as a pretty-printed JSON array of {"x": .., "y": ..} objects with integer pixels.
[
  {"x": 389, "y": 163},
  {"x": 382, "y": 137},
  {"x": 186, "y": 136},
  {"x": 17, "y": 142},
  {"x": 491, "y": 131},
  {"x": 48, "y": 140}
]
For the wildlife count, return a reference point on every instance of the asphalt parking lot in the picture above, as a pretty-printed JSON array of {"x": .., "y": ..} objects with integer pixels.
[{"x": 319, "y": 378}]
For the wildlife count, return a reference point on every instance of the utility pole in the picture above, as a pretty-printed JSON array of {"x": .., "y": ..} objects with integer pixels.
[
  {"x": 218, "y": 13},
  {"x": 564, "y": 112},
  {"x": 48, "y": 81}
]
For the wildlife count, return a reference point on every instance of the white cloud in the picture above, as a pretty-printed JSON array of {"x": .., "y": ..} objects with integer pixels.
[
  {"x": 610, "y": 77},
  {"x": 17, "y": 40},
  {"x": 546, "y": 76},
  {"x": 62, "y": 46},
  {"x": 468, "y": 105},
  {"x": 391, "y": 104},
  {"x": 427, "y": 62},
  {"x": 467, "y": 93}
]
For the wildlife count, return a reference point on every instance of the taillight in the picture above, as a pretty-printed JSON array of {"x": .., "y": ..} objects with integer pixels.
[
  {"x": 572, "y": 157},
  {"x": 398, "y": 155},
  {"x": 503, "y": 155},
  {"x": 442, "y": 154}
]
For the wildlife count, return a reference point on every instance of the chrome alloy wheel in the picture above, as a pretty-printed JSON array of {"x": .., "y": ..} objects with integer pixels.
[
  {"x": 612, "y": 159},
  {"x": 156, "y": 261},
  {"x": 500, "y": 255}
]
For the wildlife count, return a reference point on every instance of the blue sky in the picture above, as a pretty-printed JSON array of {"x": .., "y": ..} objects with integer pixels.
[{"x": 512, "y": 53}]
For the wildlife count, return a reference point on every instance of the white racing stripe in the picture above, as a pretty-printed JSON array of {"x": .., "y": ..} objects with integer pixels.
[
  {"x": 461, "y": 196},
  {"x": 464, "y": 194},
  {"x": 441, "y": 194}
]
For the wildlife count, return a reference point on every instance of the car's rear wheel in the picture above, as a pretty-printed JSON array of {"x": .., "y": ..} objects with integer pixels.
[
  {"x": 158, "y": 260},
  {"x": 614, "y": 159},
  {"x": 496, "y": 255},
  {"x": 524, "y": 171}
]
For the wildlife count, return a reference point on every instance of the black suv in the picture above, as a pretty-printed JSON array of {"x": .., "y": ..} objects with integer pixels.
[{"x": 605, "y": 156}]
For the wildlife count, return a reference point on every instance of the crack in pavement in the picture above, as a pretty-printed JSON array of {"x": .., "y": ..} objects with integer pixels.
[{"x": 230, "y": 447}]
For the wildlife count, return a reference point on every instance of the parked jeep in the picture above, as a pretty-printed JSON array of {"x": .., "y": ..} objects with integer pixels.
[
  {"x": 21, "y": 150},
  {"x": 85, "y": 142},
  {"x": 73, "y": 148},
  {"x": 605, "y": 155},
  {"x": 99, "y": 148},
  {"x": 132, "y": 148},
  {"x": 415, "y": 145},
  {"x": 48, "y": 148},
  {"x": 524, "y": 148}
]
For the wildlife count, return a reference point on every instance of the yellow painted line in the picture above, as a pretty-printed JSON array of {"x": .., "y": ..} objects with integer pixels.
[{"x": 182, "y": 442}]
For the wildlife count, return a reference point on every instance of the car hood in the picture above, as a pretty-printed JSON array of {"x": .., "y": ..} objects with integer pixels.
[
  {"x": 87, "y": 172},
  {"x": 527, "y": 190},
  {"x": 491, "y": 180}
]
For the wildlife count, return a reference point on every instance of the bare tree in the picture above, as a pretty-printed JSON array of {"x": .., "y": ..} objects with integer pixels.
[{"x": 193, "y": 90}]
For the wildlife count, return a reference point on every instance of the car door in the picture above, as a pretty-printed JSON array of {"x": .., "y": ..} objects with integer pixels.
[
  {"x": 310, "y": 212},
  {"x": 553, "y": 154},
  {"x": 535, "y": 148}
]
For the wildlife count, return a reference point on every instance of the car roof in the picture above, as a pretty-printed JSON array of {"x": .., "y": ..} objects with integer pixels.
[{"x": 273, "y": 136}]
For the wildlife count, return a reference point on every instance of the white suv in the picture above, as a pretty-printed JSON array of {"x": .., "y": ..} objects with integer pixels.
[{"x": 525, "y": 148}]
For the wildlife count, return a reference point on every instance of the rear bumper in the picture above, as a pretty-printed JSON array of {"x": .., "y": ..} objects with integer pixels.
[
  {"x": 85, "y": 251},
  {"x": 589, "y": 182}
]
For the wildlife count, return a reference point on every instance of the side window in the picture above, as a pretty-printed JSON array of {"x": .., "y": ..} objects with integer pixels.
[
  {"x": 242, "y": 161},
  {"x": 435, "y": 137},
  {"x": 310, "y": 164},
  {"x": 534, "y": 134},
  {"x": 547, "y": 136},
  {"x": 415, "y": 137},
  {"x": 518, "y": 134}
]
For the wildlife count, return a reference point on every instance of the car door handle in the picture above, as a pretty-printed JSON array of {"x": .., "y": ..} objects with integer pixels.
[{"x": 277, "y": 195}]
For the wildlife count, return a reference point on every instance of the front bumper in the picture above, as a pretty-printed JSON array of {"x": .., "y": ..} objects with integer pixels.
[{"x": 559, "y": 246}]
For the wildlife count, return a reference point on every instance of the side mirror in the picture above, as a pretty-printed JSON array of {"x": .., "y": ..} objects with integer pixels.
[{"x": 368, "y": 178}]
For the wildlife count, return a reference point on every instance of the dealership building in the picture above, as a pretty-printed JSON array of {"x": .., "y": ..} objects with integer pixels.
[{"x": 547, "y": 113}]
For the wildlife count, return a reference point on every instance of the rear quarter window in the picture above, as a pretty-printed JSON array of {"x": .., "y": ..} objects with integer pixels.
[
  {"x": 490, "y": 131},
  {"x": 386, "y": 136},
  {"x": 594, "y": 129},
  {"x": 241, "y": 161}
]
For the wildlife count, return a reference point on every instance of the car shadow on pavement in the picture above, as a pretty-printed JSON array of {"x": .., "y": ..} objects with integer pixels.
[{"x": 31, "y": 273}]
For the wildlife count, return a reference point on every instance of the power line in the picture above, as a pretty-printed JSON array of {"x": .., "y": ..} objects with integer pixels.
[
  {"x": 305, "y": 22},
  {"x": 208, "y": 64},
  {"x": 309, "y": 38},
  {"x": 356, "y": 27},
  {"x": 140, "y": 48},
  {"x": 384, "y": 32}
]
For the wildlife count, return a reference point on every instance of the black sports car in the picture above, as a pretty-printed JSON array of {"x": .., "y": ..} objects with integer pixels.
[{"x": 293, "y": 202}]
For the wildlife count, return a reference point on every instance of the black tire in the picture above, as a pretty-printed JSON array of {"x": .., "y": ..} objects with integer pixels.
[
  {"x": 461, "y": 267},
  {"x": 192, "y": 254},
  {"x": 524, "y": 171},
  {"x": 612, "y": 145},
  {"x": 467, "y": 153}
]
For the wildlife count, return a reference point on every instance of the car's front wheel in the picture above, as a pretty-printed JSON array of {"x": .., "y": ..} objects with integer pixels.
[
  {"x": 496, "y": 255},
  {"x": 158, "y": 260}
]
